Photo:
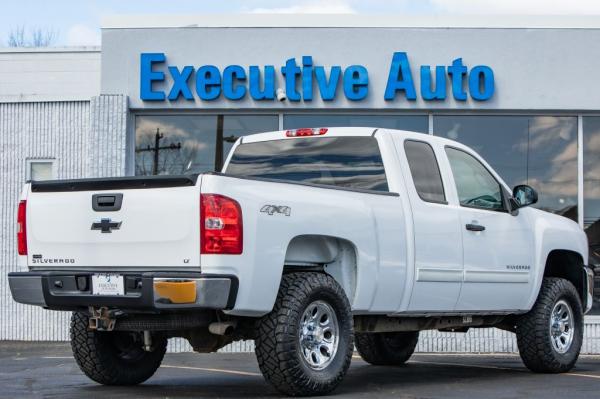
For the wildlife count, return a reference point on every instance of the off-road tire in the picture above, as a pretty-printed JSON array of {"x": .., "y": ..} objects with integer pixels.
[
  {"x": 533, "y": 329},
  {"x": 278, "y": 348},
  {"x": 99, "y": 358},
  {"x": 386, "y": 349}
]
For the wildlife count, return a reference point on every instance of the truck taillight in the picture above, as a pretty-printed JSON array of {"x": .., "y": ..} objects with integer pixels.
[
  {"x": 22, "y": 228},
  {"x": 304, "y": 132},
  {"x": 221, "y": 229}
]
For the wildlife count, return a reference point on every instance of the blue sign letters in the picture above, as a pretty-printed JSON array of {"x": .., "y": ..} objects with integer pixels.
[{"x": 307, "y": 81}]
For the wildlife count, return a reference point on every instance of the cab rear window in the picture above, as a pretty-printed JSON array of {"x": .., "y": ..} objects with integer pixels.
[{"x": 348, "y": 162}]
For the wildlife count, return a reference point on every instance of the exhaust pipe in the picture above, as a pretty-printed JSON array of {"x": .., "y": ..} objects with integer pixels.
[{"x": 222, "y": 327}]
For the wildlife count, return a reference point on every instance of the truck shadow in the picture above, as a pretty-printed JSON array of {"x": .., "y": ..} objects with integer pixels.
[{"x": 421, "y": 379}]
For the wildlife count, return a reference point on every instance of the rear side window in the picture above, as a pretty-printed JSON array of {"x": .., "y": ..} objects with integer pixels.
[
  {"x": 425, "y": 171},
  {"x": 348, "y": 162}
]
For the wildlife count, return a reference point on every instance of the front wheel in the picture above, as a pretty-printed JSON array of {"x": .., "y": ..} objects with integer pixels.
[
  {"x": 304, "y": 346},
  {"x": 550, "y": 335},
  {"x": 114, "y": 357}
]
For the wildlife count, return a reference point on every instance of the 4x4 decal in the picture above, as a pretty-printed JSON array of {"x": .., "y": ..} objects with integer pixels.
[{"x": 273, "y": 209}]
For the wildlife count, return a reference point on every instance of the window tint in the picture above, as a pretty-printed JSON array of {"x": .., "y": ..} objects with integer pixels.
[
  {"x": 425, "y": 171},
  {"x": 475, "y": 185},
  {"x": 351, "y": 162}
]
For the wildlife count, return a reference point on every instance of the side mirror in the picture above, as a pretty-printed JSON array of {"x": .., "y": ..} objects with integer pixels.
[{"x": 524, "y": 195}]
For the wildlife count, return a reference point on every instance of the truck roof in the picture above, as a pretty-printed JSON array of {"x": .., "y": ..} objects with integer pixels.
[{"x": 348, "y": 131}]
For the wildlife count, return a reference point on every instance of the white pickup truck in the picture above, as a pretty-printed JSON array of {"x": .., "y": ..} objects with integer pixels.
[{"x": 310, "y": 242}]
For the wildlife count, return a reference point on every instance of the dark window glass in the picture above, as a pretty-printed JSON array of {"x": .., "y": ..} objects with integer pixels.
[
  {"x": 475, "y": 185},
  {"x": 180, "y": 144},
  {"x": 351, "y": 162},
  {"x": 425, "y": 171},
  {"x": 540, "y": 151},
  {"x": 413, "y": 123},
  {"x": 591, "y": 195}
]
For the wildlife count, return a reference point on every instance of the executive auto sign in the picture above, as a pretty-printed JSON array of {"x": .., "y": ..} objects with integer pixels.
[{"x": 305, "y": 81}]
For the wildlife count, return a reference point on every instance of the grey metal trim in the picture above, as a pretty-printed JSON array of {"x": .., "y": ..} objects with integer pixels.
[
  {"x": 589, "y": 289},
  {"x": 490, "y": 276},
  {"x": 211, "y": 293},
  {"x": 580, "y": 197},
  {"x": 439, "y": 275},
  {"x": 27, "y": 289}
]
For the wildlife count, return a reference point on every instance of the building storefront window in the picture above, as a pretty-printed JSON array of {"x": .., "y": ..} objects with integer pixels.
[
  {"x": 591, "y": 195},
  {"x": 414, "y": 123},
  {"x": 540, "y": 151},
  {"x": 181, "y": 144}
]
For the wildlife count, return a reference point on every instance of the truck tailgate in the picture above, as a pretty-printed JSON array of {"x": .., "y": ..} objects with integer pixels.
[{"x": 156, "y": 224}]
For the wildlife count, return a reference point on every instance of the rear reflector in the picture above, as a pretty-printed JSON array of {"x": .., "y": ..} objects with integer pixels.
[
  {"x": 22, "y": 228},
  {"x": 221, "y": 229},
  {"x": 175, "y": 291},
  {"x": 306, "y": 132}
]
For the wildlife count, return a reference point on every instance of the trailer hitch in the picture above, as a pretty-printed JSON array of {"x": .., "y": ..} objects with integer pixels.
[{"x": 102, "y": 319}]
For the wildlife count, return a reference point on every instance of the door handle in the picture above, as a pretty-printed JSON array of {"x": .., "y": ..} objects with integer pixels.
[{"x": 475, "y": 227}]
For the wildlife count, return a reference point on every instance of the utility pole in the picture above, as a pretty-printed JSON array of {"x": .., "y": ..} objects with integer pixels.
[{"x": 157, "y": 148}]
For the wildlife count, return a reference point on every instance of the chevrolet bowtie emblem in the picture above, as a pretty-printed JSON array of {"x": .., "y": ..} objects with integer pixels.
[{"x": 106, "y": 225}]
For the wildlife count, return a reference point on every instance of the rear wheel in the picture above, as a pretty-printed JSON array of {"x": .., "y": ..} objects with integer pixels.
[
  {"x": 386, "y": 349},
  {"x": 550, "y": 335},
  {"x": 304, "y": 346},
  {"x": 115, "y": 357}
]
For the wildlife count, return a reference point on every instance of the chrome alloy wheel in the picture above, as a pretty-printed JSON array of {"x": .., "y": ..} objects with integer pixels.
[
  {"x": 319, "y": 335},
  {"x": 562, "y": 326}
]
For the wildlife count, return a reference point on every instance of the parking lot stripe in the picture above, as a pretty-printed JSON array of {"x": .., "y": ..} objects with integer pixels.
[
  {"x": 246, "y": 373},
  {"x": 500, "y": 368},
  {"x": 479, "y": 366},
  {"x": 583, "y": 375},
  {"x": 57, "y": 357}
]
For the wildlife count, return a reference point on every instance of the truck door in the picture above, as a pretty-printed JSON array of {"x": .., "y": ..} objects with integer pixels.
[
  {"x": 438, "y": 247},
  {"x": 498, "y": 247}
]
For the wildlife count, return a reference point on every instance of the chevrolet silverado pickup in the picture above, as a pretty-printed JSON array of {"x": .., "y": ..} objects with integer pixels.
[{"x": 310, "y": 242}]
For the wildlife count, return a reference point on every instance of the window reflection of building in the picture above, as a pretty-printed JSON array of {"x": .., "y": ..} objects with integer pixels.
[
  {"x": 540, "y": 151},
  {"x": 591, "y": 195},
  {"x": 181, "y": 144}
]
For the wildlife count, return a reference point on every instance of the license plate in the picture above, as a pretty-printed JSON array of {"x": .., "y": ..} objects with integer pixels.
[{"x": 107, "y": 284}]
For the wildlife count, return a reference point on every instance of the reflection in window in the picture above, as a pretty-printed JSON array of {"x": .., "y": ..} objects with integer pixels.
[
  {"x": 591, "y": 195},
  {"x": 475, "y": 185},
  {"x": 183, "y": 144},
  {"x": 413, "y": 123},
  {"x": 540, "y": 151},
  {"x": 351, "y": 162}
]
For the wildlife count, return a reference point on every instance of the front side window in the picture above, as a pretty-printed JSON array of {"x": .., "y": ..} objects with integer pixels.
[
  {"x": 349, "y": 162},
  {"x": 476, "y": 186},
  {"x": 425, "y": 171}
]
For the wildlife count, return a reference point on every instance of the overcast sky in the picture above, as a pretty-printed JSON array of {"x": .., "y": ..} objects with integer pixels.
[{"x": 78, "y": 21}]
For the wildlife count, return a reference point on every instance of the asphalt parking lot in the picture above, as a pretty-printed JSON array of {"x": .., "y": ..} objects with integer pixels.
[{"x": 48, "y": 370}]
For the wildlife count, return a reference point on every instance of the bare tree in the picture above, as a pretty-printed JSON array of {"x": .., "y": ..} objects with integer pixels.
[
  {"x": 38, "y": 37},
  {"x": 16, "y": 37},
  {"x": 43, "y": 37}
]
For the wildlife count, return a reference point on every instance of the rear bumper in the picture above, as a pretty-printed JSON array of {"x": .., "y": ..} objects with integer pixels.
[{"x": 70, "y": 290}]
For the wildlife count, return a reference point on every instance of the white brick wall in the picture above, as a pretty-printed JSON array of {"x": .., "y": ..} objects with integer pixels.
[{"x": 87, "y": 139}]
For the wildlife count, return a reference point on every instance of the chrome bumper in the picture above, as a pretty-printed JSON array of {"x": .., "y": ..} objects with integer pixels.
[{"x": 589, "y": 289}]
